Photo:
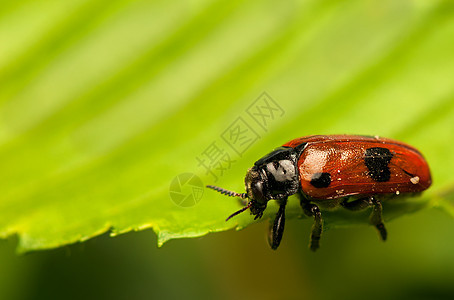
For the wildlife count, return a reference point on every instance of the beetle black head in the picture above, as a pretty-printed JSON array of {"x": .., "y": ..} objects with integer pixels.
[{"x": 256, "y": 191}]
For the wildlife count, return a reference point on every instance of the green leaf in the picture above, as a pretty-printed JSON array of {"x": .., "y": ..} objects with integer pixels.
[{"x": 104, "y": 104}]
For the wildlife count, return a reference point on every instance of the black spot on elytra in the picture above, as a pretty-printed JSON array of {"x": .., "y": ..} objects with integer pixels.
[
  {"x": 321, "y": 180},
  {"x": 377, "y": 160}
]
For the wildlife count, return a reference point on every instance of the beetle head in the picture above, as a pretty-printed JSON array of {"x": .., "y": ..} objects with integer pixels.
[
  {"x": 255, "y": 191},
  {"x": 256, "y": 187}
]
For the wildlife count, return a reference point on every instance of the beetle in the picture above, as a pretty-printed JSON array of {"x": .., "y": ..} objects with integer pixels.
[{"x": 330, "y": 171}]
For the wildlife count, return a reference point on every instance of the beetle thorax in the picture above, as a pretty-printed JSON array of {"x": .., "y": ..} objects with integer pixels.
[{"x": 270, "y": 180}]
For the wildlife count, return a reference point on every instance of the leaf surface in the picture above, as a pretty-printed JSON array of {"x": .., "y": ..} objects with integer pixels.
[{"x": 104, "y": 104}]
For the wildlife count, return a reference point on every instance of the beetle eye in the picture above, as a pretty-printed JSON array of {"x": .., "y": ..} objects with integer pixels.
[
  {"x": 256, "y": 187},
  {"x": 257, "y": 191}
]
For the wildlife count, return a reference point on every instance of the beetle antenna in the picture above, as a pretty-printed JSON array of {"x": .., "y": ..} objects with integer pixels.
[
  {"x": 227, "y": 192},
  {"x": 231, "y": 194},
  {"x": 239, "y": 211}
]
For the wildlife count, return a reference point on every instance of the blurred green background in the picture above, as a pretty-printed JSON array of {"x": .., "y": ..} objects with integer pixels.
[{"x": 103, "y": 103}]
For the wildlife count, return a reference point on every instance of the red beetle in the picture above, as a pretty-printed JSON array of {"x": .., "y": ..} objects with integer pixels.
[{"x": 331, "y": 170}]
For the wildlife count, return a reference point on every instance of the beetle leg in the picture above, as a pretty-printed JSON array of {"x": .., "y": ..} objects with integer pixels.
[
  {"x": 358, "y": 204},
  {"x": 376, "y": 215},
  {"x": 312, "y": 210},
  {"x": 276, "y": 229}
]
